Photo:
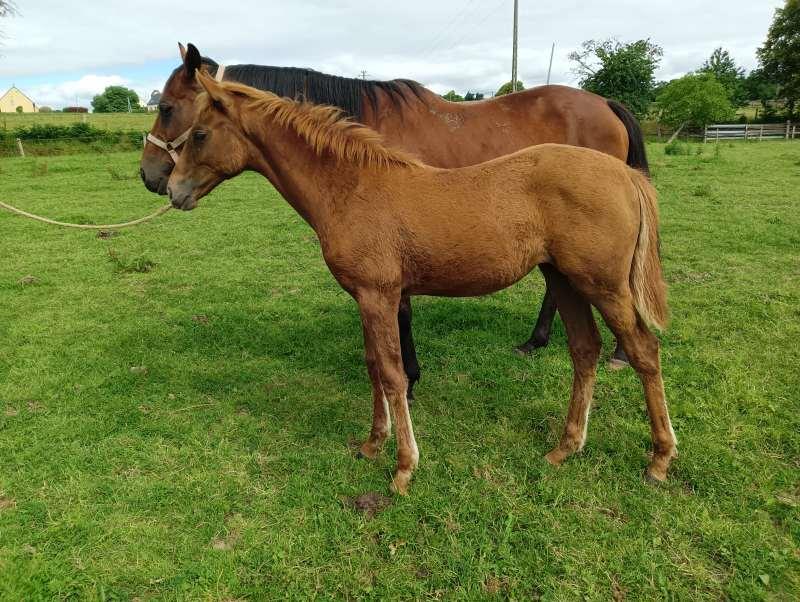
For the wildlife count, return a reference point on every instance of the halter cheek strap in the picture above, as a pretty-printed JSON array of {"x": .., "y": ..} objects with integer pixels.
[{"x": 172, "y": 146}]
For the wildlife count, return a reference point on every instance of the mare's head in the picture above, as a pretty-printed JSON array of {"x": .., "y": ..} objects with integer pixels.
[
  {"x": 175, "y": 115},
  {"x": 216, "y": 148}
]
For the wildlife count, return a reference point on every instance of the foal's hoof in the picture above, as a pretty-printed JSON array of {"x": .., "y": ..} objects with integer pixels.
[
  {"x": 615, "y": 364},
  {"x": 651, "y": 478},
  {"x": 368, "y": 451},
  {"x": 556, "y": 457},
  {"x": 400, "y": 482}
]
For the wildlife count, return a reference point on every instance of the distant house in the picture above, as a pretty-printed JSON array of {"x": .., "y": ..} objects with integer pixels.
[
  {"x": 155, "y": 98},
  {"x": 16, "y": 101}
]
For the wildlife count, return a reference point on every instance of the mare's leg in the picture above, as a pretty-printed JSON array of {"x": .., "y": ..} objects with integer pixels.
[
  {"x": 544, "y": 324},
  {"x": 619, "y": 359},
  {"x": 641, "y": 346},
  {"x": 382, "y": 338},
  {"x": 407, "y": 349},
  {"x": 584, "y": 347},
  {"x": 381, "y": 422}
]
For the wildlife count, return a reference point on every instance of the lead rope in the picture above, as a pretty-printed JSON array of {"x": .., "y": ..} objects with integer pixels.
[{"x": 46, "y": 220}]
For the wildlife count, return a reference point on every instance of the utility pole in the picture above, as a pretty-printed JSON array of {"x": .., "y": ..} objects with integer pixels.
[
  {"x": 514, "y": 54},
  {"x": 550, "y": 68},
  {"x": 363, "y": 74}
]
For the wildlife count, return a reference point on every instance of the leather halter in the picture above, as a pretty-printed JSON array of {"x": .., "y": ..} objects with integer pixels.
[{"x": 172, "y": 146}]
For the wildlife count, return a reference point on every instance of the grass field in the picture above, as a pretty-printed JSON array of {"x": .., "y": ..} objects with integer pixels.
[
  {"x": 178, "y": 405},
  {"x": 107, "y": 121}
]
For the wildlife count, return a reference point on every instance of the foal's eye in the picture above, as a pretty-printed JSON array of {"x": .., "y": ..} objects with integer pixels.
[
  {"x": 199, "y": 135},
  {"x": 164, "y": 109}
]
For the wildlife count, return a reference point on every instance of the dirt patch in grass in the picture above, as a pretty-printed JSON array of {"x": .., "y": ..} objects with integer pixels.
[{"x": 369, "y": 504}]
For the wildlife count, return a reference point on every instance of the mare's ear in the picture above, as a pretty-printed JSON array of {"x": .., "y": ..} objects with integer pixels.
[
  {"x": 219, "y": 97},
  {"x": 192, "y": 61},
  {"x": 182, "y": 50}
]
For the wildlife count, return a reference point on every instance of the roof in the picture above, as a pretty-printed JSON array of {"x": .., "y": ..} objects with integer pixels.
[
  {"x": 155, "y": 98},
  {"x": 12, "y": 88}
]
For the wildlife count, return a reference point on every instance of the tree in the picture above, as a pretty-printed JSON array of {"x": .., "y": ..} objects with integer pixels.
[
  {"x": 780, "y": 54},
  {"x": 624, "y": 72},
  {"x": 116, "y": 99},
  {"x": 506, "y": 88},
  {"x": 696, "y": 99},
  {"x": 758, "y": 87},
  {"x": 724, "y": 68},
  {"x": 453, "y": 97},
  {"x": 7, "y": 9}
]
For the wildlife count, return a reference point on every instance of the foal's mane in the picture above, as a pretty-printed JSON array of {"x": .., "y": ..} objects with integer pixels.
[
  {"x": 347, "y": 93},
  {"x": 323, "y": 127}
]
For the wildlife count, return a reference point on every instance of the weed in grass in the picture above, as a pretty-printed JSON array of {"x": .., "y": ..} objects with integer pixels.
[
  {"x": 137, "y": 265},
  {"x": 38, "y": 169},
  {"x": 119, "y": 176},
  {"x": 677, "y": 148},
  {"x": 702, "y": 190}
]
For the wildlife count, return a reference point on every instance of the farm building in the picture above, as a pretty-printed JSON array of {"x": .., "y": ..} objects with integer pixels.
[
  {"x": 16, "y": 101},
  {"x": 155, "y": 98}
]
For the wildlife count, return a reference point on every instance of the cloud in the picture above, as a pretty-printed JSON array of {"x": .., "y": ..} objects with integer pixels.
[
  {"x": 79, "y": 92},
  {"x": 458, "y": 44}
]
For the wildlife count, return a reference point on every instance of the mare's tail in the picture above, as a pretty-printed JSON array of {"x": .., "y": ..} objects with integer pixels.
[
  {"x": 646, "y": 279},
  {"x": 637, "y": 154}
]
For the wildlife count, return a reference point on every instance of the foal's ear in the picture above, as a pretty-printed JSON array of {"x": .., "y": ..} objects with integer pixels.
[
  {"x": 192, "y": 60},
  {"x": 216, "y": 92},
  {"x": 182, "y": 50}
]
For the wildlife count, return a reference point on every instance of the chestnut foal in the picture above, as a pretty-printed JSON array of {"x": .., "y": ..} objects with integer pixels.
[{"x": 390, "y": 227}]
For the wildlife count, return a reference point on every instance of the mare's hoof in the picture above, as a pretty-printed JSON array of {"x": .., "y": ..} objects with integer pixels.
[
  {"x": 615, "y": 364},
  {"x": 528, "y": 348}
]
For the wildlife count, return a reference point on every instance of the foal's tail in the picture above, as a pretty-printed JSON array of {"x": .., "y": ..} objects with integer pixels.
[
  {"x": 646, "y": 279},
  {"x": 637, "y": 153}
]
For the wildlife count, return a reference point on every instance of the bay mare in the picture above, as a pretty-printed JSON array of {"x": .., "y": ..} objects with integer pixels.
[
  {"x": 390, "y": 227},
  {"x": 441, "y": 133}
]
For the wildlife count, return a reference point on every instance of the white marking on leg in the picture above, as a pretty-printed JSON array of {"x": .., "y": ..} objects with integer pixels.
[
  {"x": 387, "y": 422},
  {"x": 585, "y": 419}
]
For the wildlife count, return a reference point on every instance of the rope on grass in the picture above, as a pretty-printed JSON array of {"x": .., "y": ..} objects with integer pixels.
[{"x": 46, "y": 220}]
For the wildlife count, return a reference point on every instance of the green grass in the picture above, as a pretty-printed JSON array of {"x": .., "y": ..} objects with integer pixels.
[
  {"x": 107, "y": 121},
  {"x": 176, "y": 404}
]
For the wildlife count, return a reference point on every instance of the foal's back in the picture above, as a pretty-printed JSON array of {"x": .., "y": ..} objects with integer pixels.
[{"x": 475, "y": 230}]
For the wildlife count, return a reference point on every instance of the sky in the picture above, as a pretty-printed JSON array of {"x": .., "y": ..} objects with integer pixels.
[{"x": 62, "y": 53}]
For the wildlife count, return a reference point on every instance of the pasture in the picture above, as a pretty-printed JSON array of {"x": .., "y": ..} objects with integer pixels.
[
  {"x": 179, "y": 405},
  {"x": 107, "y": 121}
]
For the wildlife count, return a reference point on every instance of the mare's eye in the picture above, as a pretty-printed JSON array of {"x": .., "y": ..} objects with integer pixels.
[
  {"x": 164, "y": 109},
  {"x": 199, "y": 135}
]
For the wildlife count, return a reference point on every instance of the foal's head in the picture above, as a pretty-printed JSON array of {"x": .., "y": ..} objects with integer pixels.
[
  {"x": 175, "y": 115},
  {"x": 216, "y": 148}
]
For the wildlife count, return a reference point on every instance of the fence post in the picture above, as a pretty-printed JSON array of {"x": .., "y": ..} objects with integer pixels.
[
  {"x": 788, "y": 127},
  {"x": 144, "y": 140},
  {"x": 761, "y": 134},
  {"x": 21, "y": 149}
]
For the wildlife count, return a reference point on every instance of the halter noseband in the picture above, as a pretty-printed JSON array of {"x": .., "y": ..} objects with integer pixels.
[{"x": 172, "y": 146}]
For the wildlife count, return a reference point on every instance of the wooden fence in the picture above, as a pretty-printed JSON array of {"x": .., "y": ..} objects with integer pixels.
[{"x": 748, "y": 131}]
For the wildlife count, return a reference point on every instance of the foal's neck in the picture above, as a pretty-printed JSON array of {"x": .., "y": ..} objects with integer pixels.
[{"x": 313, "y": 184}]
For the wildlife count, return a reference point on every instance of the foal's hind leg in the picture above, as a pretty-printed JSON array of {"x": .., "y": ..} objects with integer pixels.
[
  {"x": 584, "y": 347},
  {"x": 641, "y": 346},
  {"x": 407, "y": 349},
  {"x": 544, "y": 324}
]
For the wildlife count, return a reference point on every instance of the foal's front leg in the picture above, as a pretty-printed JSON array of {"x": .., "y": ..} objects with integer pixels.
[{"x": 382, "y": 341}]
